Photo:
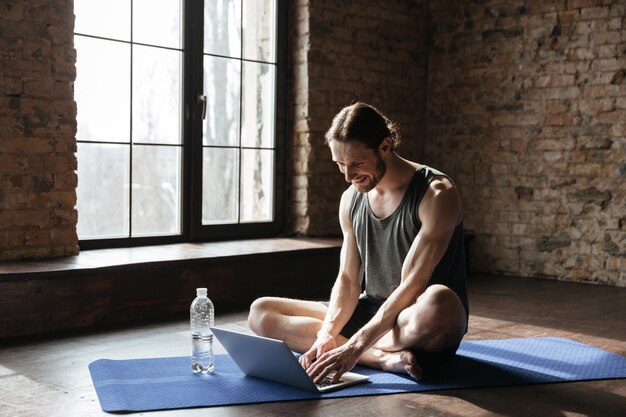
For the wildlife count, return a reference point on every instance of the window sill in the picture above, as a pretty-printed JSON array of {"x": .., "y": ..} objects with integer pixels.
[
  {"x": 173, "y": 253},
  {"x": 113, "y": 286}
]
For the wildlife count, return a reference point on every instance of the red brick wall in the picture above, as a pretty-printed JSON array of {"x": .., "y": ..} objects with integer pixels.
[
  {"x": 523, "y": 103},
  {"x": 37, "y": 130},
  {"x": 527, "y": 112}
]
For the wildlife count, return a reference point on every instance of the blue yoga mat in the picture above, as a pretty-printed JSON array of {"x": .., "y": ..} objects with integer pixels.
[{"x": 168, "y": 383}]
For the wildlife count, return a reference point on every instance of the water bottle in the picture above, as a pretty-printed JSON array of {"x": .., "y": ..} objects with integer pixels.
[{"x": 201, "y": 319}]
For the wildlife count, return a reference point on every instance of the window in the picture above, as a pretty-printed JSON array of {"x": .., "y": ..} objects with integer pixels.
[{"x": 179, "y": 119}]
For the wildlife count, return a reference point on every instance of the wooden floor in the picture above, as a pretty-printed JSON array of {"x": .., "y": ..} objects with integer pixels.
[{"x": 49, "y": 376}]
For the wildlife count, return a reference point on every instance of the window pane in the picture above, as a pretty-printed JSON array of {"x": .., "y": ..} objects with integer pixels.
[
  {"x": 220, "y": 185},
  {"x": 222, "y": 27},
  {"x": 157, "y": 91},
  {"x": 222, "y": 86},
  {"x": 157, "y": 22},
  {"x": 258, "y": 105},
  {"x": 259, "y": 30},
  {"x": 102, "y": 193},
  {"x": 102, "y": 90},
  {"x": 257, "y": 169},
  {"x": 156, "y": 190},
  {"x": 105, "y": 18}
]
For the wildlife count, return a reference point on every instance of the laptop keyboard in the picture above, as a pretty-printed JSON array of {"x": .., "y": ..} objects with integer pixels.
[{"x": 326, "y": 381}]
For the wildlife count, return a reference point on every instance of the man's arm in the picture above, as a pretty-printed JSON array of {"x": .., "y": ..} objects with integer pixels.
[
  {"x": 346, "y": 290},
  {"x": 440, "y": 212}
]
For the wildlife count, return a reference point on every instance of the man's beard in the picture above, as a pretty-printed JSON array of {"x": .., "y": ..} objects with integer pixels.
[{"x": 381, "y": 169}]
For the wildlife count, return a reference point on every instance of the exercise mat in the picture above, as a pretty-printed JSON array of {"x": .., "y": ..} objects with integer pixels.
[{"x": 168, "y": 383}]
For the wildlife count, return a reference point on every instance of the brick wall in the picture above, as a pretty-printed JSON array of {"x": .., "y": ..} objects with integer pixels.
[
  {"x": 523, "y": 103},
  {"x": 342, "y": 52},
  {"x": 37, "y": 130},
  {"x": 527, "y": 112}
]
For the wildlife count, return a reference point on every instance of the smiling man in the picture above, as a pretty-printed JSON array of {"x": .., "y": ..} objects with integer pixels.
[{"x": 399, "y": 302}]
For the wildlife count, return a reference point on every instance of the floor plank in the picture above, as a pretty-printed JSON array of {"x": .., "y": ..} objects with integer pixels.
[{"x": 48, "y": 376}]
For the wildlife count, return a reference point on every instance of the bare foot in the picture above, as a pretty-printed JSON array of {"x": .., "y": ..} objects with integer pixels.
[{"x": 398, "y": 362}]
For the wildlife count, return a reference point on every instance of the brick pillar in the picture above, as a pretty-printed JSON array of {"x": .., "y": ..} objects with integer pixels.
[
  {"x": 37, "y": 130},
  {"x": 343, "y": 52}
]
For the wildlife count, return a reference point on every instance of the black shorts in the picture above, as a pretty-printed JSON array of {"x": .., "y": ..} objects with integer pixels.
[
  {"x": 363, "y": 313},
  {"x": 430, "y": 362}
]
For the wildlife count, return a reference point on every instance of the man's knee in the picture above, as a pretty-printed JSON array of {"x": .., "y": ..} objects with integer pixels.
[
  {"x": 448, "y": 311},
  {"x": 260, "y": 310},
  {"x": 440, "y": 298},
  {"x": 437, "y": 318}
]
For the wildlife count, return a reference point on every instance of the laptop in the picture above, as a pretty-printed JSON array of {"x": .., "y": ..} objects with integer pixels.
[{"x": 272, "y": 360}]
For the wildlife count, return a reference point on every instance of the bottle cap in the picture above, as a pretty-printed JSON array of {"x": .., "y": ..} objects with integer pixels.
[{"x": 201, "y": 292}]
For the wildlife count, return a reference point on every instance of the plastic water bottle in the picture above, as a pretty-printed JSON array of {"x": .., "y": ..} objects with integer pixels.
[{"x": 201, "y": 319}]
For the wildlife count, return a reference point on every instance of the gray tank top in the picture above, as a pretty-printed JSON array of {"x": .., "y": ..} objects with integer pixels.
[{"x": 384, "y": 243}]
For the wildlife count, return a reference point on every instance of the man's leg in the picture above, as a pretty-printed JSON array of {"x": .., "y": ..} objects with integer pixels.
[
  {"x": 435, "y": 322},
  {"x": 296, "y": 322}
]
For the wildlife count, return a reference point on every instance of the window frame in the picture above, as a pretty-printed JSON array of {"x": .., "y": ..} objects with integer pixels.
[{"x": 192, "y": 229}]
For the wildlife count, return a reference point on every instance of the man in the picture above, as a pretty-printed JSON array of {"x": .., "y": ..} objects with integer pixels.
[{"x": 403, "y": 235}]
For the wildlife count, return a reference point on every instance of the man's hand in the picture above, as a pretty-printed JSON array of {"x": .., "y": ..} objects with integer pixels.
[
  {"x": 335, "y": 362},
  {"x": 323, "y": 344}
]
